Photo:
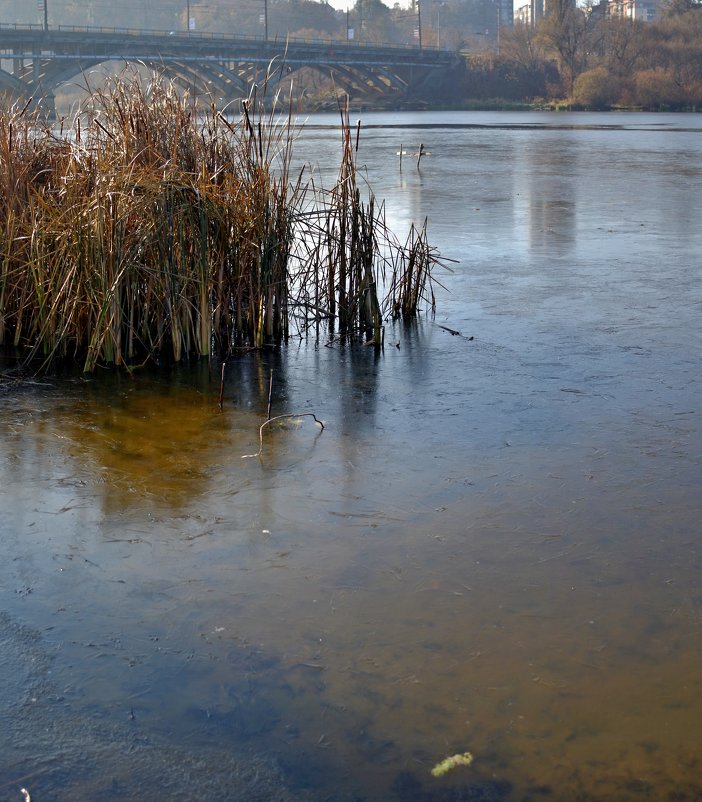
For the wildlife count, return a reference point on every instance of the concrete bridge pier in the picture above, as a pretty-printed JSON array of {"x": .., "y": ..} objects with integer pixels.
[{"x": 43, "y": 99}]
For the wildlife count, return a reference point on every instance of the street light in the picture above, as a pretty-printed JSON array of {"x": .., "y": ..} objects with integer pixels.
[
  {"x": 419, "y": 23},
  {"x": 418, "y": 29},
  {"x": 263, "y": 20}
]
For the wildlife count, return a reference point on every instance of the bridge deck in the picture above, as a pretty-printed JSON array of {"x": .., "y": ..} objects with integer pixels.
[
  {"x": 36, "y": 60},
  {"x": 75, "y": 39}
]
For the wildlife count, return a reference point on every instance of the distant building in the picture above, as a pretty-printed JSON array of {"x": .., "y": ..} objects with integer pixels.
[
  {"x": 643, "y": 10},
  {"x": 529, "y": 13},
  {"x": 505, "y": 13},
  {"x": 532, "y": 11}
]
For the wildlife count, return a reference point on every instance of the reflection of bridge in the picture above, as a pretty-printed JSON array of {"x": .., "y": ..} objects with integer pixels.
[{"x": 34, "y": 61}]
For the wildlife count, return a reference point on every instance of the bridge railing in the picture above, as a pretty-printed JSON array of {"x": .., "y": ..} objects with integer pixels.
[
  {"x": 207, "y": 36},
  {"x": 20, "y": 26}
]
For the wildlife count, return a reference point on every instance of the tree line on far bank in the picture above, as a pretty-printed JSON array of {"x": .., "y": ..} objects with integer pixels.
[{"x": 579, "y": 58}]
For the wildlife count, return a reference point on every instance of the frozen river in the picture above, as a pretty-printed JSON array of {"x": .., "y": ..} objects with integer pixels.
[{"x": 493, "y": 546}]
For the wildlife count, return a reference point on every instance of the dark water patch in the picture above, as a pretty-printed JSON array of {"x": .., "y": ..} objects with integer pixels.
[
  {"x": 249, "y": 717},
  {"x": 61, "y": 751},
  {"x": 408, "y": 786},
  {"x": 539, "y": 791}
]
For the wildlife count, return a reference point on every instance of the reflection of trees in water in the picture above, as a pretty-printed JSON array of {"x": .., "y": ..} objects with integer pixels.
[
  {"x": 551, "y": 223},
  {"x": 551, "y": 193}
]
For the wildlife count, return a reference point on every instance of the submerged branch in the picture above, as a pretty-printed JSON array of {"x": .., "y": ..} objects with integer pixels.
[{"x": 279, "y": 417}]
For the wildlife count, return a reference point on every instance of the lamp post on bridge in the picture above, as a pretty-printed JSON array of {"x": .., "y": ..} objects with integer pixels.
[
  {"x": 437, "y": 6},
  {"x": 419, "y": 23},
  {"x": 44, "y": 4},
  {"x": 263, "y": 20}
]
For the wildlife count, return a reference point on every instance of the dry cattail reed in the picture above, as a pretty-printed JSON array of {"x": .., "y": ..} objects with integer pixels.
[{"x": 158, "y": 229}]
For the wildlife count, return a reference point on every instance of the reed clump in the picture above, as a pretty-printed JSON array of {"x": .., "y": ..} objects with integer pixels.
[{"x": 152, "y": 228}]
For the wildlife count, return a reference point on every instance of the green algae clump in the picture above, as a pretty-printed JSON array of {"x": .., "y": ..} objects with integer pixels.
[{"x": 451, "y": 763}]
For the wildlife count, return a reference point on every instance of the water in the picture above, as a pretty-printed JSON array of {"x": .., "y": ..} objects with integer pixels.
[{"x": 492, "y": 546}]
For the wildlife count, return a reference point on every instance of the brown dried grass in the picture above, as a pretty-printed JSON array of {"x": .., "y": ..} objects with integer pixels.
[{"x": 155, "y": 228}]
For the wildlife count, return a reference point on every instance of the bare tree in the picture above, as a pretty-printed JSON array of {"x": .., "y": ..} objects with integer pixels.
[
  {"x": 674, "y": 8},
  {"x": 622, "y": 44},
  {"x": 522, "y": 46},
  {"x": 567, "y": 32}
]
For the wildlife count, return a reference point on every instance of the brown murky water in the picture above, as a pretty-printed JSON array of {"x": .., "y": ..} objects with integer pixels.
[{"x": 493, "y": 546}]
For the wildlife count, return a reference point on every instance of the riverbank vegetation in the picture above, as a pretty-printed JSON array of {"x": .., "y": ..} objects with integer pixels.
[
  {"x": 576, "y": 58},
  {"x": 155, "y": 229},
  {"x": 582, "y": 59}
]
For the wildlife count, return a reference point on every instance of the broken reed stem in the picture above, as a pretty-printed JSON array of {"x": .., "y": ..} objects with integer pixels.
[
  {"x": 221, "y": 388},
  {"x": 270, "y": 396},
  {"x": 279, "y": 417}
]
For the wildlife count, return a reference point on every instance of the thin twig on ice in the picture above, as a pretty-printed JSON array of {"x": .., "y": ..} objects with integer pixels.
[{"x": 279, "y": 417}]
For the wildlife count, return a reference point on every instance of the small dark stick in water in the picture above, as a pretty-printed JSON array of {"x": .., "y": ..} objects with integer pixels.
[
  {"x": 221, "y": 388},
  {"x": 420, "y": 154},
  {"x": 270, "y": 395}
]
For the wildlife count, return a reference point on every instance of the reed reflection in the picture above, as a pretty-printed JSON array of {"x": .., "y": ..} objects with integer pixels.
[{"x": 140, "y": 442}]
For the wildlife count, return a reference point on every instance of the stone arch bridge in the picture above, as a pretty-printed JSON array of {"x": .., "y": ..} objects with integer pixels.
[{"x": 34, "y": 61}]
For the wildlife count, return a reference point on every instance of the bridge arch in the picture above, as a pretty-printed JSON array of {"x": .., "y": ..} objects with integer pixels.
[
  {"x": 34, "y": 62},
  {"x": 11, "y": 85}
]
